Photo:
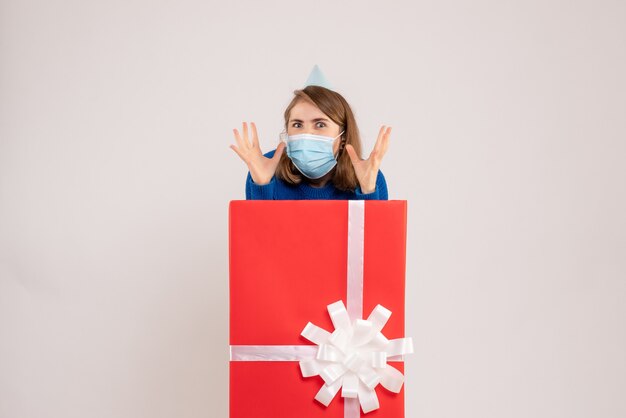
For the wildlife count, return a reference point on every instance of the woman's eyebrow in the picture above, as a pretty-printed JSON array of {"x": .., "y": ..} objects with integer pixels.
[{"x": 312, "y": 120}]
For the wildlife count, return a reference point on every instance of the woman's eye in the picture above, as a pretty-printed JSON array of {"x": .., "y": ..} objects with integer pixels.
[
  {"x": 323, "y": 125},
  {"x": 294, "y": 125}
]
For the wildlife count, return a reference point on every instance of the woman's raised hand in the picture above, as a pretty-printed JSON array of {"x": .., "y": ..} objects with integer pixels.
[
  {"x": 367, "y": 170},
  {"x": 261, "y": 168}
]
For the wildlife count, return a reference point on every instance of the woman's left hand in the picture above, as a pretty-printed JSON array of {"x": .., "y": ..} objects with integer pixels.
[{"x": 367, "y": 170}]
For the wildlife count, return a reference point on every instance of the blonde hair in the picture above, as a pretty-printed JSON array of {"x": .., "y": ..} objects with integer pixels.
[{"x": 333, "y": 105}]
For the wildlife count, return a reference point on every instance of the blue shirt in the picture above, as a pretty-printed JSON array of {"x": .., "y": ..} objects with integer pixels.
[{"x": 277, "y": 189}]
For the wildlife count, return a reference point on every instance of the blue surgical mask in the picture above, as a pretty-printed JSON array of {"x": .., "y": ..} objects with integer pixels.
[{"x": 312, "y": 154}]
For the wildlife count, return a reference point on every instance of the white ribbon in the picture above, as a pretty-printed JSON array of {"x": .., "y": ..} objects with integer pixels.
[{"x": 354, "y": 357}]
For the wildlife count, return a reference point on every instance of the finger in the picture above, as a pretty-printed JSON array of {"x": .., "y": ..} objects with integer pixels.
[
  {"x": 386, "y": 142},
  {"x": 255, "y": 136},
  {"x": 245, "y": 135},
  {"x": 238, "y": 138},
  {"x": 373, "y": 157},
  {"x": 381, "y": 133},
  {"x": 279, "y": 151},
  {"x": 234, "y": 148},
  {"x": 381, "y": 144},
  {"x": 352, "y": 154}
]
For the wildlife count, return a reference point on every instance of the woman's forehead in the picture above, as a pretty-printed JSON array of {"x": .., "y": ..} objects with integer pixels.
[{"x": 307, "y": 112}]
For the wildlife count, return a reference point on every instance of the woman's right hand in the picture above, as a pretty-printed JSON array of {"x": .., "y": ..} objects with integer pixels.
[{"x": 261, "y": 168}]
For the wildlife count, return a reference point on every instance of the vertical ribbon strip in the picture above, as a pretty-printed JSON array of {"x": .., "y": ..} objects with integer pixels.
[{"x": 356, "y": 245}]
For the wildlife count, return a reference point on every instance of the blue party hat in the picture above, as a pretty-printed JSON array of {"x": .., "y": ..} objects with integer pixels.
[{"x": 316, "y": 78}]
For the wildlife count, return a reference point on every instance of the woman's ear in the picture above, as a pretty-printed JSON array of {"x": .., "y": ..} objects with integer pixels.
[{"x": 342, "y": 146}]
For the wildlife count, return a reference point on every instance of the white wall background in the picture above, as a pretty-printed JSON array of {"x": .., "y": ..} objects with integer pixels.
[{"x": 509, "y": 140}]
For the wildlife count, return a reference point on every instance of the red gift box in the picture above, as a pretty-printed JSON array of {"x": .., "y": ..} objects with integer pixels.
[{"x": 288, "y": 262}]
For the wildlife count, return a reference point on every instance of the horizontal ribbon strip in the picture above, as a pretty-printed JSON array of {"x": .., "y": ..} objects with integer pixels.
[{"x": 279, "y": 353}]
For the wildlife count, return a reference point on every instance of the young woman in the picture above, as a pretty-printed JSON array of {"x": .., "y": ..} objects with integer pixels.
[{"x": 322, "y": 153}]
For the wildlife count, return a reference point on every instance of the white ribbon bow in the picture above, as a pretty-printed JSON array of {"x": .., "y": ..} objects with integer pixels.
[{"x": 354, "y": 357}]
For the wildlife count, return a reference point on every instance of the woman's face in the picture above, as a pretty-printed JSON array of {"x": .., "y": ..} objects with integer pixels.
[{"x": 306, "y": 118}]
